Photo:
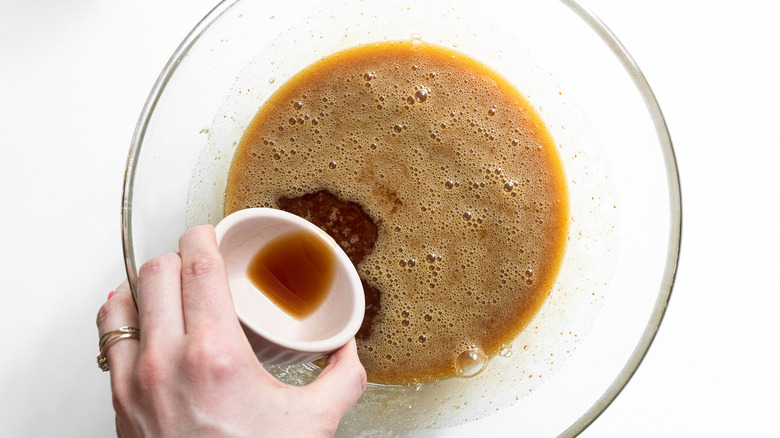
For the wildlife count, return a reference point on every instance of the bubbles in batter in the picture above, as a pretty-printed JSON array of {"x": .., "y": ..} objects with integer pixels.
[
  {"x": 470, "y": 362},
  {"x": 455, "y": 173}
]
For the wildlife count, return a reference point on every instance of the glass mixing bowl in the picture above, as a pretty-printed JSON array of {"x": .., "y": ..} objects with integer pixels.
[{"x": 587, "y": 340}]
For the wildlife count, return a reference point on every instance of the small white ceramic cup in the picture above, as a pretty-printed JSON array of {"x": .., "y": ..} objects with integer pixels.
[{"x": 276, "y": 337}]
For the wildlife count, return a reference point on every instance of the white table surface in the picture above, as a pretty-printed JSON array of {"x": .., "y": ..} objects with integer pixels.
[{"x": 74, "y": 76}]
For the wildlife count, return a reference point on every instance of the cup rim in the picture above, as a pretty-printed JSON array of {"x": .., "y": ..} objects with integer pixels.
[{"x": 343, "y": 265}]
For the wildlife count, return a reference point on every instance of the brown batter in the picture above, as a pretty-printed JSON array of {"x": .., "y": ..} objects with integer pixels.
[{"x": 439, "y": 181}]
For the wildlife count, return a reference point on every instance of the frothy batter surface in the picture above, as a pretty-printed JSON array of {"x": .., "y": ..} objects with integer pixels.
[{"x": 455, "y": 170}]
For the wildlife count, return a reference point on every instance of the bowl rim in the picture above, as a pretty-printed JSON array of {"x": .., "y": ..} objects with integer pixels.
[
  {"x": 139, "y": 133},
  {"x": 654, "y": 111},
  {"x": 675, "y": 218}
]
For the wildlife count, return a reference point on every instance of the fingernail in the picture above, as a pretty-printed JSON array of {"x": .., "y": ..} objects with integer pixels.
[{"x": 110, "y": 294}]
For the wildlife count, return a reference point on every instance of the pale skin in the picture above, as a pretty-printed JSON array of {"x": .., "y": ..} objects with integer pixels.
[{"x": 193, "y": 373}]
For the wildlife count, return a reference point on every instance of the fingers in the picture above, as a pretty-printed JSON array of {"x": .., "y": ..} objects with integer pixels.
[
  {"x": 343, "y": 379},
  {"x": 119, "y": 311},
  {"x": 159, "y": 299},
  {"x": 206, "y": 295}
]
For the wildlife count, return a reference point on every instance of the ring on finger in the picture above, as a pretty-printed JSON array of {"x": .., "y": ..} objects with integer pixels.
[
  {"x": 110, "y": 338},
  {"x": 119, "y": 331}
]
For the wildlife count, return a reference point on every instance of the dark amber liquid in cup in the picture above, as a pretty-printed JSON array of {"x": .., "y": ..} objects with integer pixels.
[{"x": 295, "y": 271}]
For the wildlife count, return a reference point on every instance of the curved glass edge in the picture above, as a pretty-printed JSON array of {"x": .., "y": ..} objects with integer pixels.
[
  {"x": 140, "y": 130},
  {"x": 673, "y": 251},
  {"x": 675, "y": 220}
]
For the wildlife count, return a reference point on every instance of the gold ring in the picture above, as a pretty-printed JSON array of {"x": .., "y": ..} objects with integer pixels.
[
  {"x": 109, "y": 339},
  {"x": 120, "y": 330}
]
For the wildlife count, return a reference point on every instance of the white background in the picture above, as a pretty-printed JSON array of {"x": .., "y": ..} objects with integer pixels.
[{"x": 74, "y": 76}]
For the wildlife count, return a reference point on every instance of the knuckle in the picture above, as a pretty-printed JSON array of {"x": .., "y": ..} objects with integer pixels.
[
  {"x": 151, "y": 372},
  {"x": 201, "y": 266},
  {"x": 211, "y": 362},
  {"x": 160, "y": 264},
  {"x": 355, "y": 382},
  {"x": 110, "y": 311},
  {"x": 103, "y": 314},
  {"x": 360, "y": 379}
]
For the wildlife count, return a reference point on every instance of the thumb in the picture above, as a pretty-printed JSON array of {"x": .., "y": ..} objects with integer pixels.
[{"x": 343, "y": 379}]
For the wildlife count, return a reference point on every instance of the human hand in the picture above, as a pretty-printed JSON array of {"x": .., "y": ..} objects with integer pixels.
[{"x": 193, "y": 372}]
